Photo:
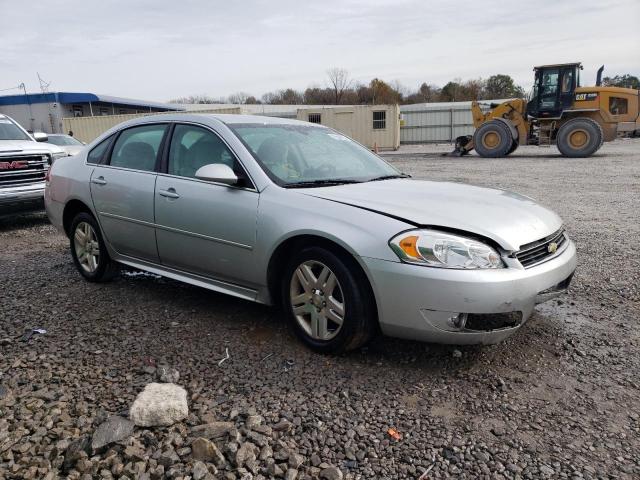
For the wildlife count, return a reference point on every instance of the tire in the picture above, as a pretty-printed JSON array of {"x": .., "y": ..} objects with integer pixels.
[
  {"x": 92, "y": 260},
  {"x": 492, "y": 139},
  {"x": 579, "y": 137},
  {"x": 307, "y": 306},
  {"x": 514, "y": 147}
]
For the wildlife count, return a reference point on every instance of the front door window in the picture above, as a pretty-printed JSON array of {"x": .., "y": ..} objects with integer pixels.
[{"x": 193, "y": 147}]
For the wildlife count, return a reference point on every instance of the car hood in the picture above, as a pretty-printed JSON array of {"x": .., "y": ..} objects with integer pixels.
[
  {"x": 72, "y": 149},
  {"x": 507, "y": 218},
  {"x": 27, "y": 146}
]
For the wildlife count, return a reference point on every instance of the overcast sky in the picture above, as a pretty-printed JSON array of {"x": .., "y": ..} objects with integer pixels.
[{"x": 157, "y": 50}]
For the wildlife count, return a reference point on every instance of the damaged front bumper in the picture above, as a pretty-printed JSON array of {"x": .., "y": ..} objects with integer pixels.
[{"x": 464, "y": 306}]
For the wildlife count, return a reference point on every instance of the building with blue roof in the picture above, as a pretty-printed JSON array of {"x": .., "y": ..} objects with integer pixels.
[{"x": 43, "y": 112}]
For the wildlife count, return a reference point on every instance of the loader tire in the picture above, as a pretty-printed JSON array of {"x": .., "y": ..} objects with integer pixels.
[
  {"x": 579, "y": 137},
  {"x": 514, "y": 147},
  {"x": 493, "y": 139}
]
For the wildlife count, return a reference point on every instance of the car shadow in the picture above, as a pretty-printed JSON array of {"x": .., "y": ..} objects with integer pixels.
[{"x": 202, "y": 312}]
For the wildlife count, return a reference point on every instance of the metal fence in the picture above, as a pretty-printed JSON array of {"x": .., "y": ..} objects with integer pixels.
[
  {"x": 86, "y": 129},
  {"x": 419, "y": 123},
  {"x": 437, "y": 122}
]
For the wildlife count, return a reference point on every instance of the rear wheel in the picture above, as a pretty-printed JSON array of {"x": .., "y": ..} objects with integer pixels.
[
  {"x": 493, "y": 139},
  {"x": 579, "y": 137},
  {"x": 89, "y": 251},
  {"x": 327, "y": 303},
  {"x": 514, "y": 147}
]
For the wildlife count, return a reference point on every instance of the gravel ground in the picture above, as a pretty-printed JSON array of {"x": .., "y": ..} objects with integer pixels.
[{"x": 560, "y": 399}]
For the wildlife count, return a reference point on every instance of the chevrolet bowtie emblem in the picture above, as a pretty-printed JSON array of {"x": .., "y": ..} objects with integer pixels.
[{"x": 553, "y": 247}]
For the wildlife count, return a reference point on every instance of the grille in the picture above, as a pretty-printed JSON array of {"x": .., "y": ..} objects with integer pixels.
[
  {"x": 537, "y": 252},
  {"x": 13, "y": 173}
]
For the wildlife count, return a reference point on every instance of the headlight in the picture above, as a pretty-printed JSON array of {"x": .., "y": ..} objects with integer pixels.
[
  {"x": 57, "y": 155},
  {"x": 444, "y": 250}
]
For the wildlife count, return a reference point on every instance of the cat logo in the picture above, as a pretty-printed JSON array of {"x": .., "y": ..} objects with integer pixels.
[
  {"x": 585, "y": 97},
  {"x": 552, "y": 247}
]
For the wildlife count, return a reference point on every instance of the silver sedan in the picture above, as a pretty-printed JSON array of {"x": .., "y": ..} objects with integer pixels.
[{"x": 295, "y": 214}]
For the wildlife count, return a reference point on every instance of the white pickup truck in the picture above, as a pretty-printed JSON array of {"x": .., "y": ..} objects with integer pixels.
[{"x": 24, "y": 162}]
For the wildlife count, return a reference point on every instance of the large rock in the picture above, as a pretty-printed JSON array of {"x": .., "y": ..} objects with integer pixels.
[
  {"x": 114, "y": 429},
  {"x": 159, "y": 405}
]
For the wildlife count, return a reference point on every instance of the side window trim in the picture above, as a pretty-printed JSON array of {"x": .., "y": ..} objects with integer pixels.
[
  {"x": 164, "y": 159},
  {"x": 160, "y": 147},
  {"x": 105, "y": 154},
  {"x": 164, "y": 170}
]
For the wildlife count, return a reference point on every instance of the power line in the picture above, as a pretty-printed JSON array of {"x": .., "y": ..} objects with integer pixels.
[{"x": 19, "y": 87}]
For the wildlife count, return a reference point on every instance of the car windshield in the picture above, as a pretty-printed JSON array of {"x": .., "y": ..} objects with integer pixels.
[
  {"x": 305, "y": 156},
  {"x": 62, "y": 140},
  {"x": 10, "y": 131}
]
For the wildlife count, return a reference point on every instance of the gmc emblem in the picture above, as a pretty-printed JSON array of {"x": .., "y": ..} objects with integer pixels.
[{"x": 13, "y": 165}]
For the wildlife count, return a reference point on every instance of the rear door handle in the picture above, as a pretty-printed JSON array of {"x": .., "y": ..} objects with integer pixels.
[
  {"x": 170, "y": 193},
  {"x": 99, "y": 181}
]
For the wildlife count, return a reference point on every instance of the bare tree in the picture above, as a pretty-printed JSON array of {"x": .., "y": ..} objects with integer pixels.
[
  {"x": 201, "y": 99},
  {"x": 238, "y": 98},
  {"x": 340, "y": 81}
]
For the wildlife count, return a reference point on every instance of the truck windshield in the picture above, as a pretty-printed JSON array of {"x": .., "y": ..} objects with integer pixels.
[
  {"x": 10, "y": 131},
  {"x": 62, "y": 140}
]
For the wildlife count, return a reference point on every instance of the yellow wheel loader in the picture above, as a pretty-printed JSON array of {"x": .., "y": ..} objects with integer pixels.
[{"x": 559, "y": 112}]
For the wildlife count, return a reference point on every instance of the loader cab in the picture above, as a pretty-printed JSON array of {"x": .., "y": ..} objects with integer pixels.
[{"x": 553, "y": 89}]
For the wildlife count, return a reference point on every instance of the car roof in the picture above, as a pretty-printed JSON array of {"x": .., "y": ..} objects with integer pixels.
[{"x": 226, "y": 118}]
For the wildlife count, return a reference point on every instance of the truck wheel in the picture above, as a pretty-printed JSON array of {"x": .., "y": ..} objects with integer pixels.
[
  {"x": 579, "y": 137},
  {"x": 89, "y": 251},
  {"x": 327, "y": 303},
  {"x": 492, "y": 139}
]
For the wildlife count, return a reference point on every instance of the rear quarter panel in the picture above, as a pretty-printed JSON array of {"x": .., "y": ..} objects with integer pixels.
[{"x": 69, "y": 180}]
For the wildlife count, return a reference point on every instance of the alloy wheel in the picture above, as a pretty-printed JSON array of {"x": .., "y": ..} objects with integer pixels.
[
  {"x": 87, "y": 248},
  {"x": 317, "y": 300}
]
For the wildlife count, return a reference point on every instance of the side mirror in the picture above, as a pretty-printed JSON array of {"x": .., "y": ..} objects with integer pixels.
[
  {"x": 217, "y": 172},
  {"x": 40, "y": 136}
]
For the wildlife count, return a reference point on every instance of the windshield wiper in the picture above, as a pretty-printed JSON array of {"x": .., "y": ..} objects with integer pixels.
[
  {"x": 389, "y": 177},
  {"x": 321, "y": 183}
]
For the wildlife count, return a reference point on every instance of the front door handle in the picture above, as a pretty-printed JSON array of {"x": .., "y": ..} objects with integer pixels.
[
  {"x": 170, "y": 193},
  {"x": 99, "y": 181}
]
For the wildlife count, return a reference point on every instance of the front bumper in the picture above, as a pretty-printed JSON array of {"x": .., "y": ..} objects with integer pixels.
[
  {"x": 419, "y": 303},
  {"x": 24, "y": 198}
]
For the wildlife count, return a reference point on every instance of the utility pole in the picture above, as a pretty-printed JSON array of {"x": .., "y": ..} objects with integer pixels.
[{"x": 26, "y": 97}]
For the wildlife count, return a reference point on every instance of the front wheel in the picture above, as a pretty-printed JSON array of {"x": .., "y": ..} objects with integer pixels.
[
  {"x": 89, "y": 251},
  {"x": 327, "y": 301},
  {"x": 493, "y": 139}
]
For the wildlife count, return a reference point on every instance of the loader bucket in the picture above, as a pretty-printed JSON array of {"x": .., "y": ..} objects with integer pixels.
[{"x": 464, "y": 145}]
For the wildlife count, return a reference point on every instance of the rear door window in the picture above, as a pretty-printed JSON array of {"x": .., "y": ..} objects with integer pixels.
[
  {"x": 137, "y": 148},
  {"x": 98, "y": 152}
]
